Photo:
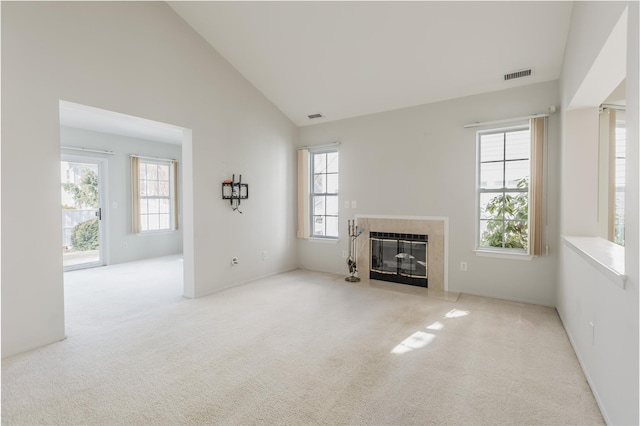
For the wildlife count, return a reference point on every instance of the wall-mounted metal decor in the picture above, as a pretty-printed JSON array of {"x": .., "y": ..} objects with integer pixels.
[{"x": 235, "y": 191}]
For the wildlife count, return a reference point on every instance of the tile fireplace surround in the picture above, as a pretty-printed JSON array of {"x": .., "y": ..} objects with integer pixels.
[{"x": 434, "y": 227}]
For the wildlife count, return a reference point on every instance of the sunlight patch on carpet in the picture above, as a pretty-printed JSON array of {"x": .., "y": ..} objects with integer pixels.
[
  {"x": 456, "y": 313},
  {"x": 417, "y": 340},
  {"x": 436, "y": 326}
]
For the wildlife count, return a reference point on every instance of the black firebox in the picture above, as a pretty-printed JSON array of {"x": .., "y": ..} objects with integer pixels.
[{"x": 398, "y": 258}]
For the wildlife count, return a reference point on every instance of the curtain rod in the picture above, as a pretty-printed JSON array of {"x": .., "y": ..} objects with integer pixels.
[
  {"x": 507, "y": 120},
  {"x": 153, "y": 158},
  {"x": 329, "y": 145},
  {"x": 99, "y": 151},
  {"x": 614, "y": 106}
]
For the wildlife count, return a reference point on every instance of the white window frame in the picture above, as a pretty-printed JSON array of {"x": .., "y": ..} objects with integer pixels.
[
  {"x": 312, "y": 194},
  {"x": 506, "y": 252},
  {"x": 170, "y": 198}
]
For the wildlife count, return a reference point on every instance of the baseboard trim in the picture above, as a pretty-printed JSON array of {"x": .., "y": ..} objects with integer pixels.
[{"x": 239, "y": 283}]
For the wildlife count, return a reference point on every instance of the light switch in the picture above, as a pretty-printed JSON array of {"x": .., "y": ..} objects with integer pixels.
[
  {"x": 346, "y": 204},
  {"x": 353, "y": 204}
]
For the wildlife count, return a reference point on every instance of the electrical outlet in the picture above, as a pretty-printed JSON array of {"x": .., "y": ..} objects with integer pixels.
[
  {"x": 265, "y": 255},
  {"x": 344, "y": 254},
  {"x": 346, "y": 204},
  {"x": 463, "y": 266}
]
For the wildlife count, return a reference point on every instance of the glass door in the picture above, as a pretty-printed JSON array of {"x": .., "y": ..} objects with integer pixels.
[{"x": 81, "y": 213}]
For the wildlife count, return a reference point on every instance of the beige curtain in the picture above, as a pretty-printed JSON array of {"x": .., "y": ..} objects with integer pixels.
[
  {"x": 303, "y": 193},
  {"x": 135, "y": 195},
  {"x": 536, "y": 185},
  {"x": 174, "y": 183}
]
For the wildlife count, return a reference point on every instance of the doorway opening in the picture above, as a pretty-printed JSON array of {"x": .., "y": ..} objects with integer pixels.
[{"x": 90, "y": 139}]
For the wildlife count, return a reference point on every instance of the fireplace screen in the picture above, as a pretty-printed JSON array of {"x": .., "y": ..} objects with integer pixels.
[{"x": 400, "y": 258}]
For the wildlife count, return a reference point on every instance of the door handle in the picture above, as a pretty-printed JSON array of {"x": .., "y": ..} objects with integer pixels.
[{"x": 99, "y": 213}]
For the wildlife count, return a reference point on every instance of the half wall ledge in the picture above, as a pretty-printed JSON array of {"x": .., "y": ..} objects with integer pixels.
[{"x": 605, "y": 255}]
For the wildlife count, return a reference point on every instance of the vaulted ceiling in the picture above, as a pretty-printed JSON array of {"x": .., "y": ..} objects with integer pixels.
[{"x": 346, "y": 59}]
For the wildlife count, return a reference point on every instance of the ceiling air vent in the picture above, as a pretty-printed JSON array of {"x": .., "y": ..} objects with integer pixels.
[
  {"x": 517, "y": 74},
  {"x": 312, "y": 116}
]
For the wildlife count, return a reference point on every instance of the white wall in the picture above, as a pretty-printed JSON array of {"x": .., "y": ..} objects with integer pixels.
[
  {"x": 579, "y": 174},
  {"x": 141, "y": 59},
  {"x": 122, "y": 245},
  {"x": 608, "y": 352},
  {"x": 420, "y": 161},
  {"x": 591, "y": 26}
]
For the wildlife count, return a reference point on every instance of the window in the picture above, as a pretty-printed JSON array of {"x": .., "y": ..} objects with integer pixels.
[
  {"x": 324, "y": 194},
  {"x": 510, "y": 184},
  {"x": 612, "y": 170},
  {"x": 154, "y": 200},
  {"x": 503, "y": 188}
]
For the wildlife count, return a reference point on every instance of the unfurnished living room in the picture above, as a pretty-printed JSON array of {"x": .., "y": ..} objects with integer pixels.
[{"x": 340, "y": 213}]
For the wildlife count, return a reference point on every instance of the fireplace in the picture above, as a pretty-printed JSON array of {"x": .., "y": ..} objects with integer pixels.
[{"x": 399, "y": 258}]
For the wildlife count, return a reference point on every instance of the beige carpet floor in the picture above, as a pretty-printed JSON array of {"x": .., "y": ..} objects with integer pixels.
[{"x": 293, "y": 349}]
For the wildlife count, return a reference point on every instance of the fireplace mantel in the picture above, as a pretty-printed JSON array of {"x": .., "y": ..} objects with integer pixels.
[{"x": 437, "y": 228}]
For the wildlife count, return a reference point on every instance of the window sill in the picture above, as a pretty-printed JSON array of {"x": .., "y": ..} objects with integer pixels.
[
  {"x": 160, "y": 232},
  {"x": 608, "y": 257},
  {"x": 502, "y": 254},
  {"x": 324, "y": 240}
]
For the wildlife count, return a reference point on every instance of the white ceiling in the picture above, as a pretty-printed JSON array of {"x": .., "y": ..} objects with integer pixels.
[{"x": 345, "y": 59}]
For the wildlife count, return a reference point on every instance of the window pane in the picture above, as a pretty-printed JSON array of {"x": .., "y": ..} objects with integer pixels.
[
  {"x": 332, "y": 162},
  {"x": 319, "y": 184},
  {"x": 491, "y": 175},
  {"x": 144, "y": 223},
  {"x": 332, "y": 184},
  {"x": 619, "y": 218},
  {"x": 332, "y": 226},
  {"x": 515, "y": 172},
  {"x": 620, "y": 172},
  {"x": 163, "y": 189},
  {"x": 163, "y": 172},
  {"x": 152, "y": 188},
  {"x": 154, "y": 222},
  {"x": 491, "y": 205},
  {"x": 152, "y": 171},
  {"x": 319, "y": 205},
  {"x": 319, "y": 163},
  {"x": 516, "y": 234},
  {"x": 332, "y": 205},
  {"x": 143, "y": 207},
  {"x": 518, "y": 145},
  {"x": 143, "y": 171},
  {"x": 164, "y": 221},
  {"x": 143, "y": 188},
  {"x": 516, "y": 205},
  {"x": 491, "y": 233},
  {"x": 154, "y": 206},
  {"x": 318, "y": 225},
  {"x": 492, "y": 147},
  {"x": 165, "y": 206}
]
